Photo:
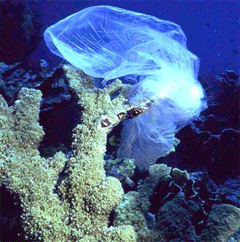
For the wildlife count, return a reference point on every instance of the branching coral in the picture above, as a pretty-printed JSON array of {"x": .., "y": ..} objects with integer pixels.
[{"x": 75, "y": 207}]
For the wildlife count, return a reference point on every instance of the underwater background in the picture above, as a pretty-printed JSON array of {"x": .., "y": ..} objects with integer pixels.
[
  {"x": 60, "y": 176},
  {"x": 210, "y": 26}
]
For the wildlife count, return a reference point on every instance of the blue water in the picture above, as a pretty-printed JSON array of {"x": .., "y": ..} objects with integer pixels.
[{"x": 212, "y": 27}]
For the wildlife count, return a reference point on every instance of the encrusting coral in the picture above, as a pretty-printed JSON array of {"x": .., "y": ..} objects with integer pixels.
[
  {"x": 76, "y": 206},
  {"x": 167, "y": 206}
]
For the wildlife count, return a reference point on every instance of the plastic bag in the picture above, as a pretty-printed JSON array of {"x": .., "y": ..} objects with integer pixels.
[{"x": 108, "y": 42}]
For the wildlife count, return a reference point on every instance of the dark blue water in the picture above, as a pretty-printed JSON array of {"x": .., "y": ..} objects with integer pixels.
[{"x": 212, "y": 27}]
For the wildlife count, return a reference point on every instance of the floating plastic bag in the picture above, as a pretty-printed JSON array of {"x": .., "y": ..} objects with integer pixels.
[{"x": 108, "y": 42}]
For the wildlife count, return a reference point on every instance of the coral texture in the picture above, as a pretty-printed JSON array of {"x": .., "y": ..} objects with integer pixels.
[
  {"x": 174, "y": 205},
  {"x": 64, "y": 199},
  {"x": 223, "y": 222}
]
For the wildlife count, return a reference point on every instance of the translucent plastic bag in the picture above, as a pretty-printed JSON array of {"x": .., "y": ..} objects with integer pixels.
[{"x": 108, "y": 42}]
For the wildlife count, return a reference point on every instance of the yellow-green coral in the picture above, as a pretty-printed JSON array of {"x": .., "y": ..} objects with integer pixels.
[
  {"x": 25, "y": 172},
  {"x": 79, "y": 209},
  {"x": 135, "y": 205}
]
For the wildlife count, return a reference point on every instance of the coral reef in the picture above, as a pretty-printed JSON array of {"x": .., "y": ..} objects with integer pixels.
[
  {"x": 64, "y": 199},
  {"x": 174, "y": 205},
  {"x": 223, "y": 222},
  {"x": 58, "y": 100},
  {"x": 123, "y": 169},
  {"x": 133, "y": 210},
  {"x": 74, "y": 196},
  {"x": 16, "y": 76}
]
